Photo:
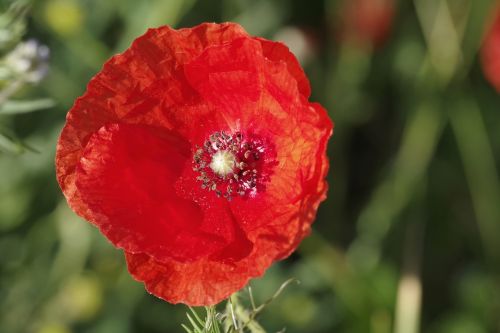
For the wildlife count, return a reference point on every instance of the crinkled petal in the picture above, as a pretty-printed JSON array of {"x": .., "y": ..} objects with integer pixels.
[
  {"x": 126, "y": 177},
  {"x": 228, "y": 75},
  {"x": 202, "y": 282},
  {"x": 298, "y": 131},
  {"x": 143, "y": 85},
  {"x": 276, "y": 52}
]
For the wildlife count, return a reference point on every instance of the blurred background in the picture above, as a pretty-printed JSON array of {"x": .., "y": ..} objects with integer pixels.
[{"x": 408, "y": 239}]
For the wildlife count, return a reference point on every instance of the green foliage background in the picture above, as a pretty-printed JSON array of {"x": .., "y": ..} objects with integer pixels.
[{"x": 408, "y": 239}]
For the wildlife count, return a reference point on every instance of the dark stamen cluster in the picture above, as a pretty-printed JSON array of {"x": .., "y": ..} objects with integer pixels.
[{"x": 243, "y": 176}]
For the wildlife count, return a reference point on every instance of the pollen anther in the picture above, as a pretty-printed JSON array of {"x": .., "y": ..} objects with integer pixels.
[{"x": 229, "y": 164}]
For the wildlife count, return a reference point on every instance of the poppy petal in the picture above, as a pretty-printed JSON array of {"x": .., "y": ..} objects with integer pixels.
[
  {"x": 276, "y": 52},
  {"x": 202, "y": 282},
  {"x": 135, "y": 210}
]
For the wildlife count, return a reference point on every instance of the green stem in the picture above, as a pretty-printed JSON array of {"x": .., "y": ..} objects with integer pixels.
[
  {"x": 242, "y": 318},
  {"x": 480, "y": 170},
  {"x": 397, "y": 190}
]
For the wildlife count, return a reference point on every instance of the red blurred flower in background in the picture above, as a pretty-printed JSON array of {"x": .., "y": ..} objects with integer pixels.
[
  {"x": 366, "y": 23},
  {"x": 197, "y": 152},
  {"x": 490, "y": 51}
]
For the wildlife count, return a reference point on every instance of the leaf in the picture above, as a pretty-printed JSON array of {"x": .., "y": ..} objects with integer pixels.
[
  {"x": 479, "y": 14},
  {"x": 19, "y": 107},
  {"x": 11, "y": 144}
]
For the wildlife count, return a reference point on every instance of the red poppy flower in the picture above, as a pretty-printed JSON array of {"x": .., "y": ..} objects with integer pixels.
[
  {"x": 366, "y": 22},
  {"x": 490, "y": 51},
  {"x": 197, "y": 152}
]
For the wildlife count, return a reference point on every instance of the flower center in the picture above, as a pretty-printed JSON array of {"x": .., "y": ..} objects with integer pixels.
[
  {"x": 231, "y": 165},
  {"x": 223, "y": 162}
]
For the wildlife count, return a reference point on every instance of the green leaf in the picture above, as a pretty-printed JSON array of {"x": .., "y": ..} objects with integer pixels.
[
  {"x": 480, "y": 13},
  {"x": 11, "y": 144},
  {"x": 18, "y": 107}
]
